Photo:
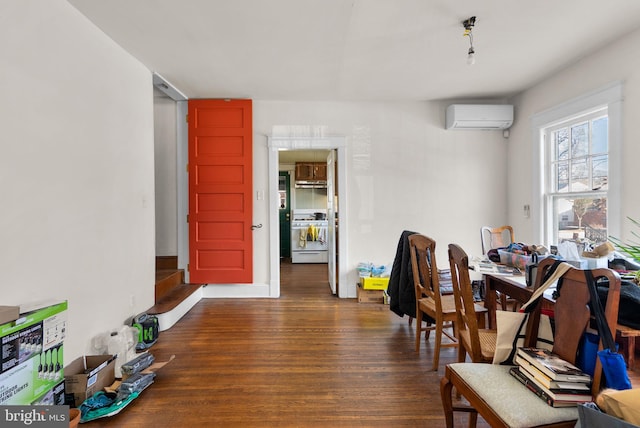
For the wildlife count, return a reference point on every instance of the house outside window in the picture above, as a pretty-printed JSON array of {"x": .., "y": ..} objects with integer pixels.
[{"x": 577, "y": 175}]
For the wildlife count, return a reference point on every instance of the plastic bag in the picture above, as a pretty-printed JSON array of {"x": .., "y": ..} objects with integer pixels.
[
  {"x": 622, "y": 404},
  {"x": 589, "y": 416}
]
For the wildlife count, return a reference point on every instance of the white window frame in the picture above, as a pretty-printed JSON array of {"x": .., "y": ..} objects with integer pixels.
[
  {"x": 609, "y": 97},
  {"x": 552, "y": 196}
]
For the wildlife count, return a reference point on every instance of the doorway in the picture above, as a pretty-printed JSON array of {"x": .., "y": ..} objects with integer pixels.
[
  {"x": 278, "y": 144},
  {"x": 170, "y": 131}
]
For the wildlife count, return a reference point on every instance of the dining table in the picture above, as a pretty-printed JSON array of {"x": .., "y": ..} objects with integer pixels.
[{"x": 513, "y": 286}]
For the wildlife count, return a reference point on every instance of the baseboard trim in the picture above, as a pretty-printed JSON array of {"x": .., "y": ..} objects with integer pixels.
[{"x": 227, "y": 291}]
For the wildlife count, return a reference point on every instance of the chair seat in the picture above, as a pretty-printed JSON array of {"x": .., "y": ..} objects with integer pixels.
[
  {"x": 516, "y": 405},
  {"x": 487, "y": 342},
  {"x": 448, "y": 305},
  {"x": 428, "y": 306}
]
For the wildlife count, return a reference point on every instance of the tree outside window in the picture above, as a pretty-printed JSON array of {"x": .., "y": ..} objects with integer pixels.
[{"x": 578, "y": 178}]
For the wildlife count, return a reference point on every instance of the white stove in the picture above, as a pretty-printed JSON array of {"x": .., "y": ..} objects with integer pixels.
[{"x": 309, "y": 232}]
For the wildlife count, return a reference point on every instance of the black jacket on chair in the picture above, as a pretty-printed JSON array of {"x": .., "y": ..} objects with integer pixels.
[{"x": 401, "y": 288}]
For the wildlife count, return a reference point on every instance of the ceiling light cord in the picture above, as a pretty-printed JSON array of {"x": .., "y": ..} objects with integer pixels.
[
  {"x": 468, "y": 32},
  {"x": 471, "y": 54}
]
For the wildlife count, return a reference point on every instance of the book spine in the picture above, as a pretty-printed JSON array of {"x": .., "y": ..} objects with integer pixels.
[
  {"x": 532, "y": 370},
  {"x": 563, "y": 395},
  {"x": 515, "y": 372},
  {"x": 536, "y": 363}
]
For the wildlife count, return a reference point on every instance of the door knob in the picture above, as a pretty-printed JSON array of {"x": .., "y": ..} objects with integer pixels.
[{"x": 256, "y": 226}]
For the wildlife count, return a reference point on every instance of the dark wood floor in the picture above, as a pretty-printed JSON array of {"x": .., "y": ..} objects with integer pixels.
[{"x": 307, "y": 359}]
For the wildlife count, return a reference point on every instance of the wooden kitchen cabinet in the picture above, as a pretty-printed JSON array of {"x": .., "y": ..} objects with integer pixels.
[
  {"x": 320, "y": 171},
  {"x": 311, "y": 171}
]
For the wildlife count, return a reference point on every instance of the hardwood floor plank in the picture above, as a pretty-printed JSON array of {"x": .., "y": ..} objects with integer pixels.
[{"x": 307, "y": 359}]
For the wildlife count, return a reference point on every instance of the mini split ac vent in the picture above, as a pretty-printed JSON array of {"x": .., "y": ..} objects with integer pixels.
[{"x": 479, "y": 116}]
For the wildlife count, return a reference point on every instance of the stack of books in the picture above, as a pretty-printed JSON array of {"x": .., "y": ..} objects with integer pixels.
[{"x": 556, "y": 381}]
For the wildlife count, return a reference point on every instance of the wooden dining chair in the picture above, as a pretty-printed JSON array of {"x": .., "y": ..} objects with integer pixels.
[
  {"x": 440, "y": 310},
  {"x": 496, "y": 237},
  {"x": 473, "y": 338},
  {"x": 501, "y": 399}
]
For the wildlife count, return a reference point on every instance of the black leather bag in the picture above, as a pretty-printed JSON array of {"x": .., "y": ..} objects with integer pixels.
[
  {"x": 531, "y": 269},
  {"x": 629, "y": 308}
]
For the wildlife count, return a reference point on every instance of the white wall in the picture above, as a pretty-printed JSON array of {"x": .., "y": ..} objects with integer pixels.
[
  {"x": 619, "y": 61},
  {"x": 405, "y": 171},
  {"x": 76, "y": 170}
]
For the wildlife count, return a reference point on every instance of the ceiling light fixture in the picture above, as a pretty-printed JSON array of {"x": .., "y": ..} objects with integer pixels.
[{"x": 468, "y": 25}]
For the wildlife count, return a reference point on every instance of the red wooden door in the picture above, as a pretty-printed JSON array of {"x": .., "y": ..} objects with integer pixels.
[{"x": 220, "y": 191}]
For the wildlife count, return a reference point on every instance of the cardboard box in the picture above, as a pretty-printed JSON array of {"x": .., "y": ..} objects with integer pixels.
[
  {"x": 115, "y": 387},
  {"x": 369, "y": 296},
  {"x": 374, "y": 283},
  {"x": 9, "y": 313},
  {"x": 31, "y": 353},
  {"x": 87, "y": 375}
]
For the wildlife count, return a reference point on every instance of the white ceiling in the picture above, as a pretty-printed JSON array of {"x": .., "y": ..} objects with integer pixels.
[{"x": 358, "y": 49}]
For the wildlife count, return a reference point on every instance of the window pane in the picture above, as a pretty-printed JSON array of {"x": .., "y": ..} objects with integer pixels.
[
  {"x": 561, "y": 140},
  {"x": 577, "y": 171},
  {"x": 581, "y": 219},
  {"x": 579, "y": 176},
  {"x": 600, "y": 172},
  {"x": 580, "y": 140},
  {"x": 282, "y": 192},
  {"x": 600, "y": 137},
  {"x": 562, "y": 177}
]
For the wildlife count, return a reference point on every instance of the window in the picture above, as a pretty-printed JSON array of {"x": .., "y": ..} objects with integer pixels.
[
  {"x": 282, "y": 192},
  {"x": 577, "y": 178},
  {"x": 577, "y": 158}
]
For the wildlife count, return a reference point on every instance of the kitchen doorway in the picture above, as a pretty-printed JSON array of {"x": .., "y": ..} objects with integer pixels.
[
  {"x": 307, "y": 232},
  {"x": 286, "y": 148}
]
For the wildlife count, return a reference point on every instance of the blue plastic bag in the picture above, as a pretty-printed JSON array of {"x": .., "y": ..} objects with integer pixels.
[
  {"x": 613, "y": 365},
  {"x": 615, "y": 370},
  {"x": 588, "y": 353}
]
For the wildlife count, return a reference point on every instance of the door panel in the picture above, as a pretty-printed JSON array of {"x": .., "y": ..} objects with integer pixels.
[
  {"x": 220, "y": 191},
  {"x": 331, "y": 217},
  {"x": 284, "y": 195}
]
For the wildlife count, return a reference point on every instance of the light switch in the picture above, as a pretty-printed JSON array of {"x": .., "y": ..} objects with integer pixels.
[{"x": 527, "y": 211}]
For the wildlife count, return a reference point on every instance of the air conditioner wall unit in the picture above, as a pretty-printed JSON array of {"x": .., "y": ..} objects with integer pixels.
[{"x": 479, "y": 116}]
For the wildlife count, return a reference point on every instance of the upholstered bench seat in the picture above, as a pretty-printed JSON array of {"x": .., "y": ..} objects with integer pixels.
[{"x": 504, "y": 394}]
